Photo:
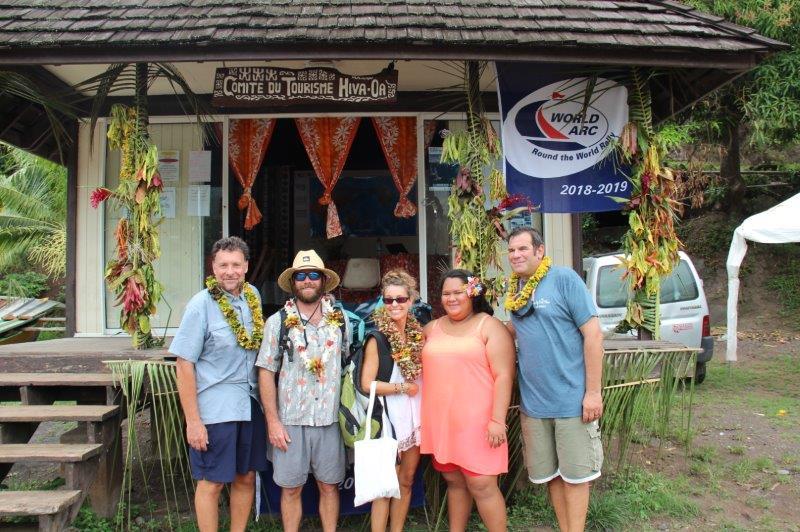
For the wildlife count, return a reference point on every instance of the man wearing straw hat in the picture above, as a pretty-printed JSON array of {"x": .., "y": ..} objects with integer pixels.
[
  {"x": 301, "y": 409},
  {"x": 216, "y": 346}
]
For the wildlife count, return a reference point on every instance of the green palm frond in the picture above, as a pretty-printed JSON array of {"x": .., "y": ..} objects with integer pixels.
[
  {"x": 21, "y": 86},
  {"x": 122, "y": 78},
  {"x": 154, "y": 383},
  {"x": 33, "y": 214}
]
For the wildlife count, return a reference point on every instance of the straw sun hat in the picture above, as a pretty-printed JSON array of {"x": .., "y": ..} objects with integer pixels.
[{"x": 307, "y": 260}]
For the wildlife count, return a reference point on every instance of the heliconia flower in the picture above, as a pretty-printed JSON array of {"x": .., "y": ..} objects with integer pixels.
[
  {"x": 514, "y": 200},
  {"x": 133, "y": 296},
  {"x": 98, "y": 196},
  {"x": 646, "y": 177}
]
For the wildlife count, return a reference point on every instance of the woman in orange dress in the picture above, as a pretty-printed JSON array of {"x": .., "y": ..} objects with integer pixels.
[{"x": 468, "y": 370}]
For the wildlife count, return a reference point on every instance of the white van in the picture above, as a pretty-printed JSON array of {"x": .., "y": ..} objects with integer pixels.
[{"x": 684, "y": 310}]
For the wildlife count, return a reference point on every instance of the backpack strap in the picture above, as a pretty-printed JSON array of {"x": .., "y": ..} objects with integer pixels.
[
  {"x": 385, "y": 361},
  {"x": 284, "y": 342}
]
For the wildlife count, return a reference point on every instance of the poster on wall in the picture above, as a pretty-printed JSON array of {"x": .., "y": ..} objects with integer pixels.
[
  {"x": 198, "y": 200},
  {"x": 167, "y": 198},
  {"x": 199, "y": 166},
  {"x": 169, "y": 165},
  {"x": 556, "y": 148}
]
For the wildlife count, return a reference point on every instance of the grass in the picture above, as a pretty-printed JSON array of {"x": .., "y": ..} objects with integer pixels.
[
  {"x": 773, "y": 388},
  {"x": 623, "y": 502},
  {"x": 746, "y": 469},
  {"x": 786, "y": 286}
]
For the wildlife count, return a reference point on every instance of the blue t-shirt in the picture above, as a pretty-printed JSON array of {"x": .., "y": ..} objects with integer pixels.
[
  {"x": 552, "y": 373},
  {"x": 225, "y": 372}
]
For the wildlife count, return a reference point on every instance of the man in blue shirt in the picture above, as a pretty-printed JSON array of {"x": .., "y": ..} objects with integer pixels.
[
  {"x": 216, "y": 346},
  {"x": 560, "y": 367}
]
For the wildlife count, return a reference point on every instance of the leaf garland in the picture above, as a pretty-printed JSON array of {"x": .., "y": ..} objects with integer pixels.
[
  {"x": 476, "y": 222},
  {"x": 130, "y": 275},
  {"x": 239, "y": 330},
  {"x": 651, "y": 243}
]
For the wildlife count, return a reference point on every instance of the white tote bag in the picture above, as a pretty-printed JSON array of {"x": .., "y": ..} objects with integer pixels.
[{"x": 375, "y": 473}]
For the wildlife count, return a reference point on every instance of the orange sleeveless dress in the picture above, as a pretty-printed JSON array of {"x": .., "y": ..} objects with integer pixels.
[{"x": 457, "y": 402}]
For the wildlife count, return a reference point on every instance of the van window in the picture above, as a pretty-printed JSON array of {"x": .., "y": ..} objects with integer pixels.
[
  {"x": 613, "y": 292},
  {"x": 679, "y": 285}
]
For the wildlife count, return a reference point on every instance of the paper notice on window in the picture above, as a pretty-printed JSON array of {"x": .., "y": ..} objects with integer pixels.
[
  {"x": 199, "y": 200},
  {"x": 169, "y": 165},
  {"x": 168, "y": 202},
  {"x": 199, "y": 166}
]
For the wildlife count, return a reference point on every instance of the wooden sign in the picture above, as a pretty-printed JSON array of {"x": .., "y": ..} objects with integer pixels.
[{"x": 253, "y": 86}]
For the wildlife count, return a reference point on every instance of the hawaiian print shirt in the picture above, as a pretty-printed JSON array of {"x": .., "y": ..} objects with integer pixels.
[{"x": 304, "y": 399}]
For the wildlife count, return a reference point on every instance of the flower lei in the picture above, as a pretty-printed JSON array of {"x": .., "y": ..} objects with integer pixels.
[
  {"x": 408, "y": 354},
  {"x": 514, "y": 300},
  {"x": 331, "y": 317},
  {"x": 245, "y": 340}
]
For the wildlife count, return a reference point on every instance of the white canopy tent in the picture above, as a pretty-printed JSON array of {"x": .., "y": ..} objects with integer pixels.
[{"x": 777, "y": 225}]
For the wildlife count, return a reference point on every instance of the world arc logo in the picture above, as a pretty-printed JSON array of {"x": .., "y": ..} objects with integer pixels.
[{"x": 551, "y": 132}]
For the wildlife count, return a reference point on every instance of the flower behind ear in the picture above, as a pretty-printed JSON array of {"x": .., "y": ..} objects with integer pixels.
[{"x": 474, "y": 286}]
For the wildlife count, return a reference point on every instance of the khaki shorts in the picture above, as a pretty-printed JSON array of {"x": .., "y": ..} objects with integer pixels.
[
  {"x": 315, "y": 450},
  {"x": 565, "y": 447}
]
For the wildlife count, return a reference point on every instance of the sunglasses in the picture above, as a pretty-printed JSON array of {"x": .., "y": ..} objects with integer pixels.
[
  {"x": 302, "y": 276},
  {"x": 391, "y": 300}
]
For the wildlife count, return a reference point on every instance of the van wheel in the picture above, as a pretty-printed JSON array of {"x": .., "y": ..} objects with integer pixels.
[{"x": 700, "y": 373}]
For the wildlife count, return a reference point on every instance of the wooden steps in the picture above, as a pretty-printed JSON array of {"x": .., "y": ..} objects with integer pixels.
[
  {"x": 53, "y": 508},
  {"x": 48, "y": 452},
  {"x": 56, "y": 379},
  {"x": 39, "y": 413},
  {"x": 90, "y": 455}
]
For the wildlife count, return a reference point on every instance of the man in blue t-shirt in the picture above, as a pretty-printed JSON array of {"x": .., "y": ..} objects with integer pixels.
[{"x": 560, "y": 365}]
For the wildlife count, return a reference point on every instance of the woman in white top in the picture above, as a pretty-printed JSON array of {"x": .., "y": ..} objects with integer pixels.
[{"x": 401, "y": 392}]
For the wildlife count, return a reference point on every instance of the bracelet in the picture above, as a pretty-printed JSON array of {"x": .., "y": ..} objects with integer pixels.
[
  {"x": 499, "y": 423},
  {"x": 396, "y": 388},
  {"x": 402, "y": 387}
]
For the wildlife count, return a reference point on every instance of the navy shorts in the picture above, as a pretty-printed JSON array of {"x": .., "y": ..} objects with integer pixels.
[{"x": 234, "y": 447}]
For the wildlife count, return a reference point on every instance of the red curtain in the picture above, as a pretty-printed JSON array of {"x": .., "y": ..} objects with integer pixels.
[
  {"x": 247, "y": 143},
  {"x": 327, "y": 141},
  {"x": 398, "y": 138}
]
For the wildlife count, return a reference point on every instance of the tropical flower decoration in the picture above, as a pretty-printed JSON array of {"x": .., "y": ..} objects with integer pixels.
[
  {"x": 474, "y": 286},
  {"x": 407, "y": 354},
  {"x": 291, "y": 321},
  {"x": 332, "y": 319},
  {"x": 517, "y": 300},
  {"x": 335, "y": 318},
  {"x": 232, "y": 318},
  {"x": 130, "y": 275}
]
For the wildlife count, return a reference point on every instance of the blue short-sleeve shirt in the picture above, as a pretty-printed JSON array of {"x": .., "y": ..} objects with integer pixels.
[
  {"x": 225, "y": 372},
  {"x": 552, "y": 372}
]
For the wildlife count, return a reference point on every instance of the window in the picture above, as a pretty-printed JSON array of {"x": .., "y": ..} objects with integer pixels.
[{"x": 612, "y": 291}]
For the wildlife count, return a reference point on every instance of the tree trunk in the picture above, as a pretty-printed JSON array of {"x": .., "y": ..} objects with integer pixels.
[
  {"x": 140, "y": 98},
  {"x": 730, "y": 167}
]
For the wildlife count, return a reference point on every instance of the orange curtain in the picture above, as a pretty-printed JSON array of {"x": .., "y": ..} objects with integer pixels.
[
  {"x": 247, "y": 143},
  {"x": 327, "y": 141},
  {"x": 398, "y": 137}
]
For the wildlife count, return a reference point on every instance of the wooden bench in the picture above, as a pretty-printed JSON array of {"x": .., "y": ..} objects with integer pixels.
[{"x": 54, "y": 509}]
